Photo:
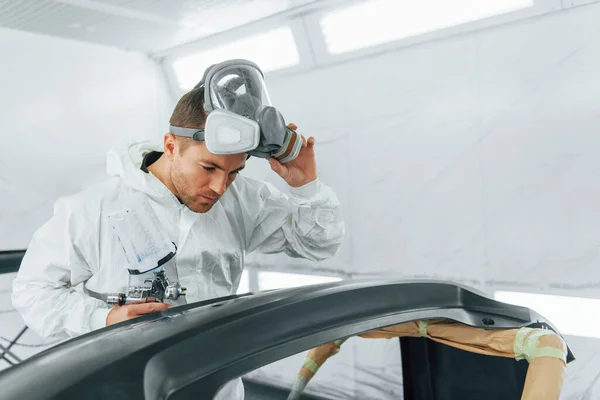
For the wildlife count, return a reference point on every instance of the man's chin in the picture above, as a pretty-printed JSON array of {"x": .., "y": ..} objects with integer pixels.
[{"x": 200, "y": 208}]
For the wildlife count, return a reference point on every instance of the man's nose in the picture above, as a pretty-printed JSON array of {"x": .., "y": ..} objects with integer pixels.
[{"x": 219, "y": 184}]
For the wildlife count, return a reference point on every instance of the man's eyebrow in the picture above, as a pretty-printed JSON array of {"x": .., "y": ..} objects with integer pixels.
[
  {"x": 217, "y": 166},
  {"x": 212, "y": 164}
]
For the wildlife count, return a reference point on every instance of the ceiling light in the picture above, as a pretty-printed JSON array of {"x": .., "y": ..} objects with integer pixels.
[
  {"x": 271, "y": 50},
  {"x": 375, "y": 22},
  {"x": 571, "y": 315}
]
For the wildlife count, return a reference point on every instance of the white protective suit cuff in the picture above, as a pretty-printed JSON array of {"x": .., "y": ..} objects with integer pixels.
[
  {"x": 310, "y": 190},
  {"x": 98, "y": 318}
]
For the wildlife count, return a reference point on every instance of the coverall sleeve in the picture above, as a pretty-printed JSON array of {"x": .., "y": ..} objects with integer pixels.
[
  {"x": 307, "y": 224},
  {"x": 56, "y": 260}
]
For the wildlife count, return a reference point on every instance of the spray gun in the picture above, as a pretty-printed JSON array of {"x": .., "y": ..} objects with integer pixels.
[
  {"x": 147, "y": 249},
  {"x": 157, "y": 289}
]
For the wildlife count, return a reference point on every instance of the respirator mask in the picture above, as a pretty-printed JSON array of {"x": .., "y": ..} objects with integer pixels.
[{"x": 240, "y": 116}]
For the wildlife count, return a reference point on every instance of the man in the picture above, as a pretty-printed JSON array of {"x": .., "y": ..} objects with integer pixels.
[{"x": 213, "y": 215}]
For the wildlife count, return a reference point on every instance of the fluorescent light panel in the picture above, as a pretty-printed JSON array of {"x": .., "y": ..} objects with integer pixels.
[
  {"x": 279, "y": 280},
  {"x": 244, "y": 286},
  {"x": 570, "y": 315},
  {"x": 375, "y": 22},
  {"x": 271, "y": 50}
]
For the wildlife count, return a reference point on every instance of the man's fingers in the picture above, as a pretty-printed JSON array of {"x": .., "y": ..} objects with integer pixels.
[
  {"x": 123, "y": 313},
  {"x": 275, "y": 164},
  {"x": 303, "y": 141},
  {"x": 279, "y": 168},
  {"x": 147, "y": 308},
  {"x": 293, "y": 126},
  {"x": 151, "y": 300},
  {"x": 311, "y": 141}
]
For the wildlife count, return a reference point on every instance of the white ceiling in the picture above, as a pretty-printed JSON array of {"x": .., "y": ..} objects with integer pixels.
[{"x": 147, "y": 26}]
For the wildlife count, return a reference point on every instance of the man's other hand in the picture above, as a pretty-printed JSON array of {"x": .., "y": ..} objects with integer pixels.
[
  {"x": 303, "y": 169},
  {"x": 130, "y": 311}
]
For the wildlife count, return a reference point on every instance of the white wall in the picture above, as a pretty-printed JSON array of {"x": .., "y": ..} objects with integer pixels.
[
  {"x": 62, "y": 105},
  {"x": 472, "y": 158}
]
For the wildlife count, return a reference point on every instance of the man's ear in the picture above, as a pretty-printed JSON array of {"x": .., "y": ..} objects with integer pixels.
[{"x": 169, "y": 144}]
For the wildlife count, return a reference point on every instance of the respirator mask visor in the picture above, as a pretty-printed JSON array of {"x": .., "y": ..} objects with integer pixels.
[{"x": 241, "y": 118}]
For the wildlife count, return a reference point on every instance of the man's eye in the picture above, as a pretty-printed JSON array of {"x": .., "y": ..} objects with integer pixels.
[{"x": 208, "y": 168}]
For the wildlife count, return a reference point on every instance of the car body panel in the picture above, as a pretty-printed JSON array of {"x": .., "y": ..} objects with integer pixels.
[{"x": 197, "y": 348}]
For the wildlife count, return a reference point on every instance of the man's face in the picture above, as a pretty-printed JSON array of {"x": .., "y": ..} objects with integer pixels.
[{"x": 200, "y": 178}]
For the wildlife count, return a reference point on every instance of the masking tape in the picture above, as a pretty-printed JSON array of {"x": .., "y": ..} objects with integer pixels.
[
  {"x": 423, "y": 328},
  {"x": 527, "y": 342},
  {"x": 310, "y": 365}
]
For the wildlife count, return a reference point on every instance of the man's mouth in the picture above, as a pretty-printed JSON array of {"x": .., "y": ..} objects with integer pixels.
[{"x": 209, "y": 199}]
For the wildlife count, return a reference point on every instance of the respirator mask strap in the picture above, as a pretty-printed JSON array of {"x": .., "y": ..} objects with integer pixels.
[{"x": 196, "y": 134}]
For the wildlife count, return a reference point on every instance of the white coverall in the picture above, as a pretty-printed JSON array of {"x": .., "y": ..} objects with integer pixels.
[{"x": 77, "y": 245}]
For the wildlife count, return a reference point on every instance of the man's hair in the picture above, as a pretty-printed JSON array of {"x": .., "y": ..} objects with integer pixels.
[{"x": 189, "y": 113}]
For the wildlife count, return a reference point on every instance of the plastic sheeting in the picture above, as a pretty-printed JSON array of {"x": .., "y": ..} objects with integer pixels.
[
  {"x": 63, "y": 104},
  {"x": 472, "y": 158},
  {"x": 544, "y": 350}
]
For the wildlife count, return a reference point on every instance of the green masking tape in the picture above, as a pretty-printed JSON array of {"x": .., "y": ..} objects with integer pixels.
[
  {"x": 310, "y": 365},
  {"x": 423, "y": 328},
  {"x": 549, "y": 352},
  {"x": 526, "y": 347}
]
